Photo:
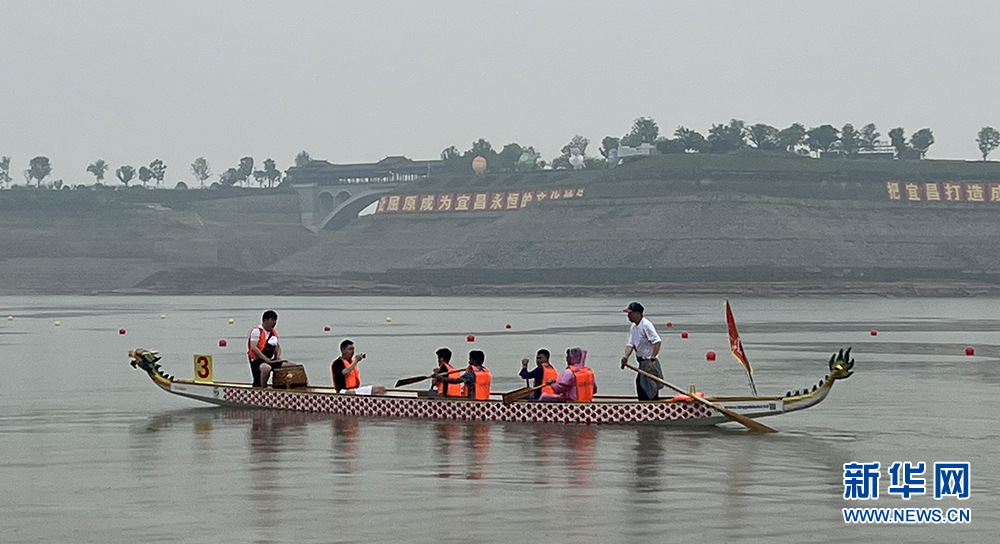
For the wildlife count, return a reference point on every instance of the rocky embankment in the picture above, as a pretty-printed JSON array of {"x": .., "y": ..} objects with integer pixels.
[
  {"x": 754, "y": 232},
  {"x": 81, "y": 242},
  {"x": 664, "y": 226}
]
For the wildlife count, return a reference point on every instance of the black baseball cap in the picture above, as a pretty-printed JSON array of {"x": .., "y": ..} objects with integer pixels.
[{"x": 634, "y": 307}]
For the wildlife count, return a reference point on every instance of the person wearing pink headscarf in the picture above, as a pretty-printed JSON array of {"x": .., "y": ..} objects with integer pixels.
[{"x": 576, "y": 383}]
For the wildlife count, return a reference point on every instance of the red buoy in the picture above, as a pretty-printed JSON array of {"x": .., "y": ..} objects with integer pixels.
[
  {"x": 222, "y": 343},
  {"x": 684, "y": 334},
  {"x": 970, "y": 350},
  {"x": 874, "y": 332},
  {"x": 670, "y": 325},
  {"x": 470, "y": 338},
  {"x": 121, "y": 331},
  {"x": 508, "y": 325},
  {"x": 710, "y": 356},
  {"x": 326, "y": 329}
]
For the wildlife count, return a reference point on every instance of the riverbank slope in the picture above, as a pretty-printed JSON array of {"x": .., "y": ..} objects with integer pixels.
[{"x": 746, "y": 223}]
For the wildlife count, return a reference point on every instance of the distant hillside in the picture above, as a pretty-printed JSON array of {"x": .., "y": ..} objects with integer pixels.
[
  {"x": 79, "y": 241},
  {"x": 749, "y": 222},
  {"x": 681, "y": 218},
  {"x": 748, "y": 164},
  {"x": 786, "y": 165}
]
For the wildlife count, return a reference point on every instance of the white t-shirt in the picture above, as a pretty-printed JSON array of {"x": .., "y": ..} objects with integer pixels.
[
  {"x": 255, "y": 337},
  {"x": 641, "y": 337}
]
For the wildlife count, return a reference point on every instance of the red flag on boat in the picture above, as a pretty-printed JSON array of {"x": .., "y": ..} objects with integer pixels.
[{"x": 736, "y": 345}]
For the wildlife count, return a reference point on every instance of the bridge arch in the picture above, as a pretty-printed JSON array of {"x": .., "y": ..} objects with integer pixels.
[
  {"x": 342, "y": 214},
  {"x": 332, "y": 207},
  {"x": 325, "y": 203}
]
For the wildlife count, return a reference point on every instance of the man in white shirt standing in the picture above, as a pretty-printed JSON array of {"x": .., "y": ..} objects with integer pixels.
[{"x": 643, "y": 340}]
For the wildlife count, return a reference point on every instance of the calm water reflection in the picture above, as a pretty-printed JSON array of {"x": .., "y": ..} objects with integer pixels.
[{"x": 102, "y": 456}]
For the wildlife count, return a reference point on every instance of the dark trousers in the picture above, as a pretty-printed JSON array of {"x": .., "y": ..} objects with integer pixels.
[
  {"x": 641, "y": 393},
  {"x": 255, "y": 371}
]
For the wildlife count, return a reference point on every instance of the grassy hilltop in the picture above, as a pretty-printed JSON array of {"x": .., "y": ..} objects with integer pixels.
[
  {"x": 748, "y": 165},
  {"x": 779, "y": 164}
]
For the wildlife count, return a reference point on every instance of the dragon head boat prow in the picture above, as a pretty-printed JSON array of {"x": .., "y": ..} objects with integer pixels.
[
  {"x": 841, "y": 367},
  {"x": 147, "y": 360}
]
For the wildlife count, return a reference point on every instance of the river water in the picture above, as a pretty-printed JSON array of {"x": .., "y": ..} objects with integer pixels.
[{"x": 91, "y": 451}]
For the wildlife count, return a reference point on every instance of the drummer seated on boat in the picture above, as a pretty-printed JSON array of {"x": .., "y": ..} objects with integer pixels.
[
  {"x": 542, "y": 373},
  {"x": 477, "y": 379},
  {"x": 346, "y": 378},
  {"x": 576, "y": 383},
  {"x": 263, "y": 349},
  {"x": 444, "y": 368}
]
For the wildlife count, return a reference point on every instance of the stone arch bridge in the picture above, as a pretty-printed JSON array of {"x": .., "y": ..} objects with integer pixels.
[{"x": 330, "y": 207}]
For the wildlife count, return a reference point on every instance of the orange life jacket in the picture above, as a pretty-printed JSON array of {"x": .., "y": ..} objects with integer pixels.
[
  {"x": 483, "y": 381},
  {"x": 261, "y": 343},
  {"x": 353, "y": 379},
  {"x": 681, "y": 398},
  {"x": 584, "y": 383},
  {"x": 548, "y": 373},
  {"x": 450, "y": 389}
]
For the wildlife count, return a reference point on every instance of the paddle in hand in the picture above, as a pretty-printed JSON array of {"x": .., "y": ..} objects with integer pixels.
[
  {"x": 519, "y": 394},
  {"x": 415, "y": 379},
  {"x": 738, "y": 418}
]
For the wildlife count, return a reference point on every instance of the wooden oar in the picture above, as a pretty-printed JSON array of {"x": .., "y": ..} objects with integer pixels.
[
  {"x": 738, "y": 418},
  {"x": 415, "y": 379},
  {"x": 521, "y": 393}
]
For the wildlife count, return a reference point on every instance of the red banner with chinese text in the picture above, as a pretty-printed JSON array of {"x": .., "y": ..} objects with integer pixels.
[
  {"x": 943, "y": 191},
  {"x": 472, "y": 202}
]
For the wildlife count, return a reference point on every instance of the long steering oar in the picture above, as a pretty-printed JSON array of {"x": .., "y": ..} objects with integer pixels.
[
  {"x": 415, "y": 379},
  {"x": 521, "y": 393},
  {"x": 738, "y": 418}
]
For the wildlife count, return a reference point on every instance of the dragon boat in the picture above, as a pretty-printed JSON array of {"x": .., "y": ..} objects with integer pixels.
[{"x": 405, "y": 403}]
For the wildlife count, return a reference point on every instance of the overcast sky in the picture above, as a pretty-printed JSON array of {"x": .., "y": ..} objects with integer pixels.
[{"x": 130, "y": 81}]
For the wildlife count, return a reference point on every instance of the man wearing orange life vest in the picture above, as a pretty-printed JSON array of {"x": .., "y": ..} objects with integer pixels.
[
  {"x": 444, "y": 367},
  {"x": 263, "y": 349},
  {"x": 576, "y": 383},
  {"x": 541, "y": 374},
  {"x": 476, "y": 380},
  {"x": 346, "y": 378}
]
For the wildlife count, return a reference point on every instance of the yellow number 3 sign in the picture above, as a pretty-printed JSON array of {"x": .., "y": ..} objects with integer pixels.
[{"x": 203, "y": 368}]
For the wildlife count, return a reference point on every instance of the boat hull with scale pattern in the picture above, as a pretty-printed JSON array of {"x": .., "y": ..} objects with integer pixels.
[{"x": 401, "y": 403}]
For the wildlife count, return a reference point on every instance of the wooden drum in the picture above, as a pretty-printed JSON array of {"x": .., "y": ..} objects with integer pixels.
[{"x": 290, "y": 376}]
